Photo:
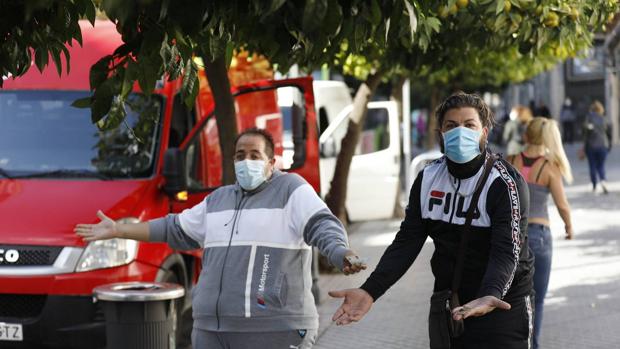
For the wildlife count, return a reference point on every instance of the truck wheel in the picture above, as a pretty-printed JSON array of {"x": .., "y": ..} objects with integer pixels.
[{"x": 183, "y": 326}]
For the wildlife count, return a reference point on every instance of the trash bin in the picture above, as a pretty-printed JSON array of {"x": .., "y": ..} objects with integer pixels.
[{"x": 140, "y": 315}]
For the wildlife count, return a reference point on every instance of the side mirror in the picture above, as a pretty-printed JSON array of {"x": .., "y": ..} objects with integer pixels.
[
  {"x": 328, "y": 148},
  {"x": 174, "y": 171}
]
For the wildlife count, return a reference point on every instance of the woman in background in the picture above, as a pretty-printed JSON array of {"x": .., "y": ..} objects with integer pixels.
[
  {"x": 543, "y": 164},
  {"x": 514, "y": 129},
  {"x": 597, "y": 143}
]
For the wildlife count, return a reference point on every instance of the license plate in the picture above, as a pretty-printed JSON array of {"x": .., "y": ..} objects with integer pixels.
[{"x": 11, "y": 332}]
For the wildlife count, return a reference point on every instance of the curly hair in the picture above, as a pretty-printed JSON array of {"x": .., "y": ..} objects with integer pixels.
[{"x": 466, "y": 100}]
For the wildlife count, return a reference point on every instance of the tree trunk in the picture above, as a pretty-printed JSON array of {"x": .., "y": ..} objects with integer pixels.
[
  {"x": 432, "y": 127},
  {"x": 225, "y": 115},
  {"x": 337, "y": 194}
]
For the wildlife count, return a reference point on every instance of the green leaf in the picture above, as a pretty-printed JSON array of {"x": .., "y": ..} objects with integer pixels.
[
  {"x": 57, "y": 60},
  {"x": 99, "y": 72},
  {"x": 90, "y": 12},
  {"x": 129, "y": 77},
  {"x": 190, "y": 84},
  {"x": 230, "y": 49},
  {"x": 313, "y": 14},
  {"x": 499, "y": 6},
  {"x": 433, "y": 23},
  {"x": 100, "y": 107},
  {"x": 41, "y": 57},
  {"x": 85, "y": 102},
  {"x": 333, "y": 19},
  {"x": 375, "y": 12},
  {"x": 65, "y": 51},
  {"x": 275, "y": 6}
]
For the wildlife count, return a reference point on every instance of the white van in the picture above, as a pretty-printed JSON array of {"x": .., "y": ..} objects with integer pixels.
[
  {"x": 373, "y": 178},
  {"x": 330, "y": 98}
]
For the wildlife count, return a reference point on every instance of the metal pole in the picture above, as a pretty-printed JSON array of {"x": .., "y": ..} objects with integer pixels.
[{"x": 407, "y": 128}]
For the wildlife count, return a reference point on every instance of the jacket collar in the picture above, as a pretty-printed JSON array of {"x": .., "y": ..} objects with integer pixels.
[{"x": 468, "y": 169}]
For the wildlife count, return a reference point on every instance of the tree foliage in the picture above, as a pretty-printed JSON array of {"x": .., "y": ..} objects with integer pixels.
[
  {"x": 160, "y": 37},
  {"x": 37, "y": 30},
  {"x": 487, "y": 42}
]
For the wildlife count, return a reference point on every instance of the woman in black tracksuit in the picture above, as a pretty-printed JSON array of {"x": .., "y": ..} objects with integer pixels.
[{"x": 498, "y": 266}]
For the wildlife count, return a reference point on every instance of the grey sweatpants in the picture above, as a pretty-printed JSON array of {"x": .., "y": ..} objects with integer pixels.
[{"x": 295, "y": 339}]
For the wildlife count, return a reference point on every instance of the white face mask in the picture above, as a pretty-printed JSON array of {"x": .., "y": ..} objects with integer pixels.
[{"x": 250, "y": 173}]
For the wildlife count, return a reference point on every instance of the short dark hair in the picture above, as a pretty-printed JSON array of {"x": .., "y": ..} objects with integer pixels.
[
  {"x": 255, "y": 131},
  {"x": 466, "y": 100}
]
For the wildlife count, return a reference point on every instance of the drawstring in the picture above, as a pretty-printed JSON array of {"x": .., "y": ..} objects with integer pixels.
[{"x": 237, "y": 204}]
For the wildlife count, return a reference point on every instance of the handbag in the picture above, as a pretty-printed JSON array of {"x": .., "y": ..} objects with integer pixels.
[{"x": 441, "y": 325}]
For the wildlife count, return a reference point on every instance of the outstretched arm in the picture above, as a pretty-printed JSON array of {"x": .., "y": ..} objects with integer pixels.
[
  {"x": 403, "y": 251},
  {"x": 109, "y": 229},
  {"x": 394, "y": 263},
  {"x": 310, "y": 217},
  {"x": 479, "y": 307},
  {"x": 184, "y": 231},
  {"x": 356, "y": 304},
  {"x": 559, "y": 198}
]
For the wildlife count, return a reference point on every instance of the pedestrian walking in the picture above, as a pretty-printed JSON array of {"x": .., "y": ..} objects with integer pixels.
[
  {"x": 254, "y": 290},
  {"x": 543, "y": 164},
  {"x": 596, "y": 144},
  {"x": 421, "y": 128},
  {"x": 514, "y": 129},
  {"x": 568, "y": 119},
  {"x": 474, "y": 206},
  {"x": 543, "y": 110}
]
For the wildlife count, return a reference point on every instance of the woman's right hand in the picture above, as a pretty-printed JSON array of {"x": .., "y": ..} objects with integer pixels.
[
  {"x": 569, "y": 232},
  {"x": 106, "y": 229}
]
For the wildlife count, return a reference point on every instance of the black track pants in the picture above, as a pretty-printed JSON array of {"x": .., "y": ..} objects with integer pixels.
[{"x": 503, "y": 329}]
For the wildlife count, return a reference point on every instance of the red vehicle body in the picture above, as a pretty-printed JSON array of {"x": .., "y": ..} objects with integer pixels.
[{"x": 47, "y": 273}]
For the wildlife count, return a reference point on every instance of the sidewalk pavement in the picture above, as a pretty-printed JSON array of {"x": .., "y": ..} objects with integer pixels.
[{"x": 583, "y": 302}]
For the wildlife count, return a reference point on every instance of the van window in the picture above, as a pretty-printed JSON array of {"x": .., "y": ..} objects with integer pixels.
[
  {"x": 41, "y": 132},
  {"x": 182, "y": 122},
  {"x": 376, "y": 132},
  {"x": 323, "y": 120},
  {"x": 375, "y": 135}
]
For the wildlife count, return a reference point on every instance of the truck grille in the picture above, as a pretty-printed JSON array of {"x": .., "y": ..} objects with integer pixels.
[
  {"x": 21, "y": 306},
  {"x": 29, "y": 255}
]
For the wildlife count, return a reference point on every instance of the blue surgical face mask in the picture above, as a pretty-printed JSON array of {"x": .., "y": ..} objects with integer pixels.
[
  {"x": 250, "y": 173},
  {"x": 461, "y": 144}
]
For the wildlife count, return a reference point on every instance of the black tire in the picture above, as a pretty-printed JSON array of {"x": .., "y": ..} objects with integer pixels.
[{"x": 183, "y": 316}]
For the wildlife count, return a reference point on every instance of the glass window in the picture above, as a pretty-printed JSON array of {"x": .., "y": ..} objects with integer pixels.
[
  {"x": 41, "y": 132},
  {"x": 376, "y": 132},
  {"x": 375, "y": 135}
]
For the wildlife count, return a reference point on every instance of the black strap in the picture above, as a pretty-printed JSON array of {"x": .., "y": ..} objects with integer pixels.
[
  {"x": 511, "y": 159},
  {"x": 460, "y": 261},
  {"x": 540, "y": 171}
]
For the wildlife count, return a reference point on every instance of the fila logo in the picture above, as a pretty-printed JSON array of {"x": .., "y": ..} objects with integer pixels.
[{"x": 443, "y": 200}]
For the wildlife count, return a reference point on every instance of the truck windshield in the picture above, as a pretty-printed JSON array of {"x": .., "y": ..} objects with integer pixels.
[{"x": 42, "y": 135}]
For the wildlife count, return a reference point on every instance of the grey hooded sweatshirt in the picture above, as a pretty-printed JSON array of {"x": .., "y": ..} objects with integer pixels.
[{"x": 257, "y": 256}]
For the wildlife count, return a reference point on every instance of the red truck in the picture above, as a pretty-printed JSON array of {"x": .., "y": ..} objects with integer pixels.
[{"x": 57, "y": 169}]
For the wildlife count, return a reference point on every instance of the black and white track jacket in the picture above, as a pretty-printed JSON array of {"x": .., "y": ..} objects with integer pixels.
[{"x": 497, "y": 260}]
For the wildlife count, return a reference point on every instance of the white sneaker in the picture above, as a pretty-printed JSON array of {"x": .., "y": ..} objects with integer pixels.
[{"x": 604, "y": 187}]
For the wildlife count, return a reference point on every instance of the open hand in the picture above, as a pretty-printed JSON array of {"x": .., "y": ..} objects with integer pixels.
[
  {"x": 106, "y": 229},
  {"x": 352, "y": 263},
  {"x": 356, "y": 304},
  {"x": 479, "y": 307}
]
